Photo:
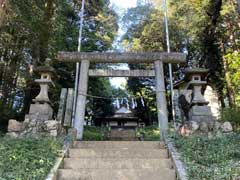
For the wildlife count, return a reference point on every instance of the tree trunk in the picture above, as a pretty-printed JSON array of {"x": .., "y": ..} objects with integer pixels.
[
  {"x": 229, "y": 86},
  {"x": 2, "y": 3},
  {"x": 2, "y": 11},
  {"x": 46, "y": 30},
  {"x": 238, "y": 6},
  {"x": 212, "y": 58}
]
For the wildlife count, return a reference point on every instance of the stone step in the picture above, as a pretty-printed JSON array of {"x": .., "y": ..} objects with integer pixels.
[
  {"x": 130, "y": 174},
  {"x": 122, "y": 135},
  {"x": 125, "y": 133},
  {"x": 119, "y": 144},
  {"x": 118, "y": 153},
  {"x": 123, "y": 139},
  {"x": 99, "y": 163}
]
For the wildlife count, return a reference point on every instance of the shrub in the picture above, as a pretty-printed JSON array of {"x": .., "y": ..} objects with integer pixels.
[
  {"x": 150, "y": 133},
  {"x": 92, "y": 133},
  {"x": 209, "y": 159},
  {"x": 232, "y": 115},
  {"x": 27, "y": 159}
]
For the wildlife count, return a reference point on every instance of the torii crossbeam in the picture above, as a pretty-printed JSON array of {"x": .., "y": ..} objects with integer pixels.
[{"x": 112, "y": 57}]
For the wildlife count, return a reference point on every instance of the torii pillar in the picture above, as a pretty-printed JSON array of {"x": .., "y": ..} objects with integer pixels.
[
  {"x": 161, "y": 99},
  {"x": 81, "y": 98}
]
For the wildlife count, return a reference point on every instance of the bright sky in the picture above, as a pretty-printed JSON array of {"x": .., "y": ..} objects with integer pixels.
[
  {"x": 124, "y": 3},
  {"x": 120, "y": 7}
]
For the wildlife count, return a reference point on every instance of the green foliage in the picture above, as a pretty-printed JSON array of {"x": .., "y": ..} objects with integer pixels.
[
  {"x": 92, "y": 133},
  {"x": 142, "y": 87},
  {"x": 100, "y": 87},
  {"x": 210, "y": 158},
  {"x": 27, "y": 159},
  {"x": 150, "y": 133},
  {"x": 206, "y": 29},
  {"x": 231, "y": 114},
  {"x": 146, "y": 33},
  {"x": 233, "y": 61}
]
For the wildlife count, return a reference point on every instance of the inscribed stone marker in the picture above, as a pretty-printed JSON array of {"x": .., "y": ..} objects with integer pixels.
[
  {"x": 69, "y": 108},
  {"x": 62, "y": 105}
]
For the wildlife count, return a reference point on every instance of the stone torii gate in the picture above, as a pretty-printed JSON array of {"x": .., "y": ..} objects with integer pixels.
[{"x": 98, "y": 57}]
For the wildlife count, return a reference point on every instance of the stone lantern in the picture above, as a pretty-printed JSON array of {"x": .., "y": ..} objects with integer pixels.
[
  {"x": 42, "y": 105},
  {"x": 200, "y": 111}
]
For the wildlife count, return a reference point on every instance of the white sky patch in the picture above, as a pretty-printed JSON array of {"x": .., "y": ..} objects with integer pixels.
[
  {"x": 119, "y": 82},
  {"x": 124, "y": 3},
  {"x": 120, "y": 6}
]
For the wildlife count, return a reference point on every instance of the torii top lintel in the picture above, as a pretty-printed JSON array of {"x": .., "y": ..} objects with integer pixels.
[{"x": 113, "y": 57}]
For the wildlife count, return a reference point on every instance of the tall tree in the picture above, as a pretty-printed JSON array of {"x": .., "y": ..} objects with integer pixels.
[
  {"x": 33, "y": 30},
  {"x": 212, "y": 58}
]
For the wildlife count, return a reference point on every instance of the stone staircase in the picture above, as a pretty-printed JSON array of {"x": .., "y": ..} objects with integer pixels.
[
  {"x": 117, "y": 160},
  {"x": 121, "y": 134}
]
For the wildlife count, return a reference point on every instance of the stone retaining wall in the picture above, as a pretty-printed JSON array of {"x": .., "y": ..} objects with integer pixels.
[{"x": 178, "y": 164}]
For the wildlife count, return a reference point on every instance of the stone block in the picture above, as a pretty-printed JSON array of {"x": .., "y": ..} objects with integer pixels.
[
  {"x": 15, "y": 126},
  {"x": 227, "y": 127},
  {"x": 13, "y": 134},
  {"x": 194, "y": 126},
  {"x": 204, "y": 127},
  {"x": 52, "y": 125},
  {"x": 53, "y": 133}
]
